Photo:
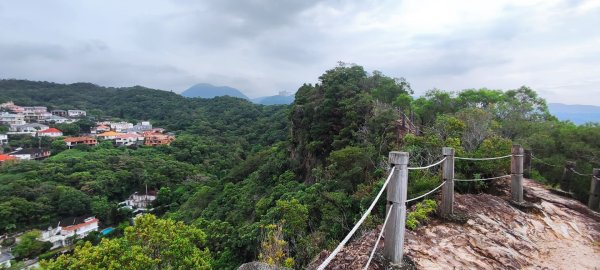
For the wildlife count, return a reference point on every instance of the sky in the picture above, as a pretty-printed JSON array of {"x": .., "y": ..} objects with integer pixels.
[{"x": 265, "y": 46}]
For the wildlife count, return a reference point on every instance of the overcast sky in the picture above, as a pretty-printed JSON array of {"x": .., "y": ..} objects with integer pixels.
[{"x": 262, "y": 47}]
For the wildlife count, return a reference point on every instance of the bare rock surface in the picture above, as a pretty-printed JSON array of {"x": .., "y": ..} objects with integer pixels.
[{"x": 556, "y": 233}]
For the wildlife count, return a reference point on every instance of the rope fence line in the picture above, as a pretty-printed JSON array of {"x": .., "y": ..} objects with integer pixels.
[
  {"x": 580, "y": 174},
  {"x": 387, "y": 216},
  {"x": 394, "y": 252},
  {"x": 362, "y": 219},
  {"x": 433, "y": 190},
  {"x": 482, "y": 159},
  {"x": 428, "y": 166},
  {"x": 543, "y": 162},
  {"x": 482, "y": 179}
]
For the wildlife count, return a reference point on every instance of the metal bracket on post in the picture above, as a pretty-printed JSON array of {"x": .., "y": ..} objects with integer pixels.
[
  {"x": 447, "y": 205},
  {"x": 516, "y": 187},
  {"x": 396, "y": 195}
]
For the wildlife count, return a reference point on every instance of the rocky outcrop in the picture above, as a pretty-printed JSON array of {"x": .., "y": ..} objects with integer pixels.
[
  {"x": 260, "y": 266},
  {"x": 555, "y": 233}
]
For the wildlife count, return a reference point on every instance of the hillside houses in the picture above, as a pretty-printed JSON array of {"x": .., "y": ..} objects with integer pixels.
[
  {"x": 21, "y": 115},
  {"x": 68, "y": 230},
  {"x": 76, "y": 113},
  {"x": 31, "y": 154},
  {"x": 120, "y": 126},
  {"x": 87, "y": 140},
  {"x": 128, "y": 134},
  {"x": 50, "y": 132},
  {"x": 57, "y": 120},
  {"x": 12, "y": 119},
  {"x": 129, "y": 139},
  {"x": 38, "y": 121},
  {"x": 155, "y": 139},
  {"x": 30, "y": 129}
]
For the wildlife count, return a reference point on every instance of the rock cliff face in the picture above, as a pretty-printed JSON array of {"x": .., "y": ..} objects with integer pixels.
[{"x": 556, "y": 233}]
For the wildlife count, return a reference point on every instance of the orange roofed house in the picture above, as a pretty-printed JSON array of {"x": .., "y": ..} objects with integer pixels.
[
  {"x": 69, "y": 229},
  {"x": 51, "y": 132},
  {"x": 109, "y": 135},
  {"x": 154, "y": 139},
  {"x": 4, "y": 158},
  {"x": 72, "y": 141}
]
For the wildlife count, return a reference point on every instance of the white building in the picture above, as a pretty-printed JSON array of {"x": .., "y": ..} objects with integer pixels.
[
  {"x": 35, "y": 113},
  {"x": 51, "y": 132},
  {"x": 139, "y": 200},
  {"x": 3, "y": 139},
  {"x": 76, "y": 113},
  {"x": 69, "y": 229},
  {"x": 129, "y": 139},
  {"x": 30, "y": 153},
  {"x": 31, "y": 129},
  {"x": 141, "y": 127},
  {"x": 12, "y": 119},
  {"x": 57, "y": 119},
  {"x": 120, "y": 126}
]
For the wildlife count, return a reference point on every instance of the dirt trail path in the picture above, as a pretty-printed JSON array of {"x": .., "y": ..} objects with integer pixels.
[{"x": 560, "y": 233}]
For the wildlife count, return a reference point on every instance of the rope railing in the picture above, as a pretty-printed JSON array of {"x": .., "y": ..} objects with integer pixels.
[
  {"x": 397, "y": 197},
  {"x": 387, "y": 216},
  {"x": 543, "y": 162},
  {"x": 362, "y": 219},
  {"x": 482, "y": 159},
  {"x": 580, "y": 174},
  {"x": 419, "y": 197},
  {"x": 482, "y": 179},
  {"x": 428, "y": 166}
]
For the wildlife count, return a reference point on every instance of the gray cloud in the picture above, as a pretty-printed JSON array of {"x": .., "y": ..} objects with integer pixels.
[
  {"x": 24, "y": 51},
  {"x": 264, "y": 46}
]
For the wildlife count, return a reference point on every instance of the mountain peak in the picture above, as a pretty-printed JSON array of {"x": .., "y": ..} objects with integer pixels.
[{"x": 206, "y": 90}]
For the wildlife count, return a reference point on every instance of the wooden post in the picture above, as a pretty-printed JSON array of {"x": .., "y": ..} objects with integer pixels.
[
  {"x": 447, "y": 205},
  {"x": 594, "y": 201},
  {"x": 516, "y": 187},
  {"x": 527, "y": 164},
  {"x": 396, "y": 197}
]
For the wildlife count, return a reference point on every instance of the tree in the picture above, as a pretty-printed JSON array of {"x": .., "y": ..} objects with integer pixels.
[
  {"x": 58, "y": 146},
  {"x": 478, "y": 126},
  {"x": 103, "y": 209},
  {"x": 273, "y": 249},
  {"x": 72, "y": 202},
  {"x": 151, "y": 243},
  {"x": 69, "y": 129},
  {"x": 29, "y": 246}
]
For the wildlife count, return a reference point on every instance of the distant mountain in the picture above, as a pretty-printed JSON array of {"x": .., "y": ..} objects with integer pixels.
[
  {"x": 274, "y": 100},
  {"x": 578, "y": 114},
  {"x": 205, "y": 90}
]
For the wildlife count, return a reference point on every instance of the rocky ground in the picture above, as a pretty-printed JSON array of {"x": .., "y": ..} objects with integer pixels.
[{"x": 555, "y": 233}]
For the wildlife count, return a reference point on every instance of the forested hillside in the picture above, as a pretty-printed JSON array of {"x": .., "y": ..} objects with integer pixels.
[{"x": 279, "y": 183}]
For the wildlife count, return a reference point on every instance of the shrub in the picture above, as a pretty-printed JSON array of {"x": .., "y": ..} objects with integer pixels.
[{"x": 420, "y": 214}]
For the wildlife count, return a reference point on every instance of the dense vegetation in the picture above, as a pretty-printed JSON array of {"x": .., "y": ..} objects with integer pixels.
[{"x": 250, "y": 176}]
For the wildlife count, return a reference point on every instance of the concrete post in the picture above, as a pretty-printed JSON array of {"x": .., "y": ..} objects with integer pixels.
[
  {"x": 396, "y": 197},
  {"x": 516, "y": 187},
  {"x": 447, "y": 205},
  {"x": 594, "y": 201}
]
